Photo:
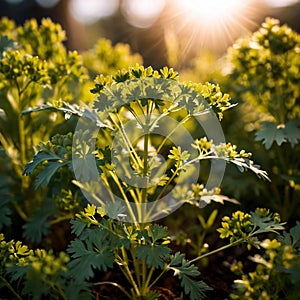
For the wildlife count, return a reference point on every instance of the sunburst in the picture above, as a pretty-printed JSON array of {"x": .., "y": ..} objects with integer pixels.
[{"x": 209, "y": 24}]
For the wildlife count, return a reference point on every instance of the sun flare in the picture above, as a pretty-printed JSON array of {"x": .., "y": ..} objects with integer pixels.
[
  {"x": 212, "y": 10},
  {"x": 211, "y": 24}
]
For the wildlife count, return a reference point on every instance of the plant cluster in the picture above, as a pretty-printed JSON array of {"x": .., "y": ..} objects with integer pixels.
[
  {"x": 265, "y": 76},
  {"x": 276, "y": 275},
  {"x": 116, "y": 142}
]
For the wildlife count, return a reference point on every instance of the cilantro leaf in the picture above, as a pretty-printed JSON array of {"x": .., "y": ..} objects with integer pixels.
[
  {"x": 271, "y": 133},
  {"x": 158, "y": 232},
  {"x": 38, "y": 159},
  {"x": 38, "y": 226},
  {"x": 264, "y": 224},
  {"x": 77, "y": 227},
  {"x": 292, "y": 129},
  {"x": 87, "y": 257},
  {"x": 93, "y": 250},
  {"x": 186, "y": 273},
  {"x": 293, "y": 237},
  {"x": 153, "y": 254},
  {"x": 44, "y": 177}
]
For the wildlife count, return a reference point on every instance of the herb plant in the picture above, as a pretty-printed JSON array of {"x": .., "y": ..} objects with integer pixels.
[
  {"x": 265, "y": 75},
  {"x": 139, "y": 248},
  {"x": 132, "y": 148}
]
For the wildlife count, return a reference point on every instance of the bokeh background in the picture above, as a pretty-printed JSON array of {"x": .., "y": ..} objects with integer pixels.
[{"x": 149, "y": 26}]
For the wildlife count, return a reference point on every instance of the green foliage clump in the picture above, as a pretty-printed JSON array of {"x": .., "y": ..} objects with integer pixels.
[
  {"x": 265, "y": 75},
  {"x": 266, "y": 70},
  {"x": 102, "y": 242},
  {"x": 36, "y": 69},
  {"x": 107, "y": 59},
  {"x": 243, "y": 226},
  {"x": 38, "y": 273},
  {"x": 276, "y": 275},
  {"x": 41, "y": 84}
]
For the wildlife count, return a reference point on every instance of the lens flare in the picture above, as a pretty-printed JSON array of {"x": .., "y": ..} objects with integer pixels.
[
  {"x": 211, "y": 25},
  {"x": 142, "y": 13},
  {"x": 211, "y": 11}
]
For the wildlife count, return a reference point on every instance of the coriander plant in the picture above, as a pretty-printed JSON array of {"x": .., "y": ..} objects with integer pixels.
[
  {"x": 265, "y": 75},
  {"x": 128, "y": 154},
  {"x": 125, "y": 164}
]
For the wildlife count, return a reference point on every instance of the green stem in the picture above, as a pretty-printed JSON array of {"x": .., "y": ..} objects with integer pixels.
[
  {"x": 118, "y": 183},
  {"x": 135, "y": 115},
  {"x": 136, "y": 265},
  {"x": 20, "y": 211},
  {"x": 7, "y": 284},
  {"x": 167, "y": 184},
  {"x": 128, "y": 273},
  {"x": 61, "y": 219},
  {"x": 150, "y": 273},
  {"x": 185, "y": 119},
  {"x": 145, "y": 165},
  {"x": 237, "y": 242},
  {"x": 128, "y": 144},
  {"x": 116, "y": 285},
  {"x": 144, "y": 278},
  {"x": 159, "y": 276}
]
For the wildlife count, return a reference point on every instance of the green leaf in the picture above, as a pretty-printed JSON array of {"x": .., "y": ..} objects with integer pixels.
[
  {"x": 78, "y": 290},
  {"x": 44, "y": 177},
  {"x": 271, "y": 133},
  {"x": 264, "y": 224},
  {"x": 77, "y": 227},
  {"x": 293, "y": 237},
  {"x": 115, "y": 210},
  {"x": 38, "y": 159},
  {"x": 16, "y": 272},
  {"x": 196, "y": 289},
  {"x": 212, "y": 218},
  {"x": 34, "y": 285},
  {"x": 153, "y": 254},
  {"x": 293, "y": 132},
  {"x": 186, "y": 273},
  {"x": 158, "y": 232},
  {"x": 5, "y": 213},
  {"x": 38, "y": 226},
  {"x": 6, "y": 44},
  {"x": 92, "y": 251},
  {"x": 295, "y": 234},
  {"x": 86, "y": 260},
  {"x": 55, "y": 161}
]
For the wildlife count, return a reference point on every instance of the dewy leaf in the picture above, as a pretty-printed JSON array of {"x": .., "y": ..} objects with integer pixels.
[
  {"x": 186, "y": 273},
  {"x": 271, "y": 133}
]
